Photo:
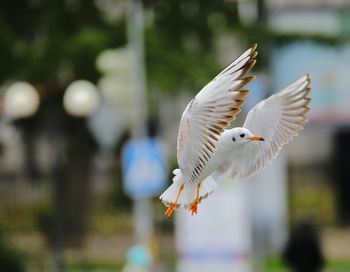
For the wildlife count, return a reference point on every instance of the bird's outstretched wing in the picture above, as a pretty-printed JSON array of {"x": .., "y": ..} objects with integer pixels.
[
  {"x": 210, "y": 112},
  {"x": 278, "y": 119}
]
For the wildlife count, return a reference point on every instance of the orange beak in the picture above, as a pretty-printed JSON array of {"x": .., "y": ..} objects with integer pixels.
[{"x": 256, "y": 138}]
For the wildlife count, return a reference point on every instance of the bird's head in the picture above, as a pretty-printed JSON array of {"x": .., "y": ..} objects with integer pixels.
[{"x": 240, "y": 135}]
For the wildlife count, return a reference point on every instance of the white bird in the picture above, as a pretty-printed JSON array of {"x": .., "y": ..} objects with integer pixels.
[{"x": 205, "y": 149}]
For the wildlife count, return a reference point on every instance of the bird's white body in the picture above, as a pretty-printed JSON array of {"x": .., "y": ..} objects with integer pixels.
[
  {"x": 225, "y": 149},
  {"x": 206, "y": 149}
]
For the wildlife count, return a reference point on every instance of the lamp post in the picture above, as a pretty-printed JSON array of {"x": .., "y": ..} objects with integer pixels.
[
  {"x": 70, "y": 173},
  {"x": 143, "y": 219},
  {"x": 20, "y": 102}
]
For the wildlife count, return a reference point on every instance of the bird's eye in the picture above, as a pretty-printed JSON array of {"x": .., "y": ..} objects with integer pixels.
[
  {"x": 234, "y": 139},
  {"x": 242, "y": 135}
]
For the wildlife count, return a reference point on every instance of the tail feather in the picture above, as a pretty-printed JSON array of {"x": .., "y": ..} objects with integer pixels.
[{"x": 188, "y": 194}]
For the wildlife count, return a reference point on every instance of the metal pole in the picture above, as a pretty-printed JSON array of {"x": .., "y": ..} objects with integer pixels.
[
  {"x": 135, "y": 28},
  {"x": 143, "y": 216}
]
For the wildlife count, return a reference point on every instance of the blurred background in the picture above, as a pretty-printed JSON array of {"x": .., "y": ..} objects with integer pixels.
[{"x": 91, "y": 97}]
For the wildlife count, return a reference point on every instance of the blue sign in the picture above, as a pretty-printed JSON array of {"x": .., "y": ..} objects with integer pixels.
[{"x": 144, "y": 168}]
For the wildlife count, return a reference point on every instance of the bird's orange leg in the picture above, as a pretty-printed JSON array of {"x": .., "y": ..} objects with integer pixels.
[
  {"x": 194, "y": 204},
  {"x": 173, "y": 206}
]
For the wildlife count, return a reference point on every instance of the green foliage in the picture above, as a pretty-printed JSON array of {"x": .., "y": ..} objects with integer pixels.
[
  {"x": 10, "y": 258},
  {"x": 51, "y": 43},
  {"x": 275, "y": 264},
  {"x": 54, "y": 42},
  {"x": 45, "y": 41},
  {"x": 180, "y": 44},
  {"x": 94, "y": 266}
]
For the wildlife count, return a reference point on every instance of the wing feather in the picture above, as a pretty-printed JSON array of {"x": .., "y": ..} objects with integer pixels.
[
  {"x": 278, "y": 119},
  {"x": 210, "y": 112}
]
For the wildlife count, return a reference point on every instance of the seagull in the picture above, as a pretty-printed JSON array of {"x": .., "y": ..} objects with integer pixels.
[{"x": 206, "y": 148}]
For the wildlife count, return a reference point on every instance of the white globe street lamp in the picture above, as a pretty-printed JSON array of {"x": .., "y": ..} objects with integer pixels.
[
  {"x": 81, "y": 98},
  {"x": 21, "y": 100}
]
